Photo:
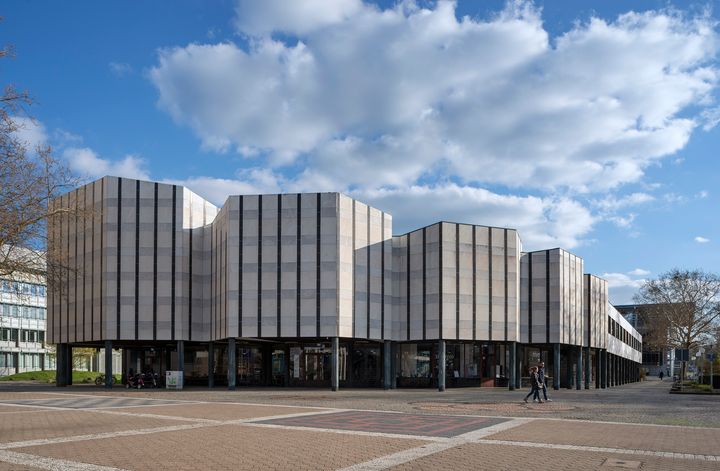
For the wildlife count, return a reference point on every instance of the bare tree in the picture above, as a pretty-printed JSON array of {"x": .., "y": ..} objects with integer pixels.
[
  {"x": 29, "y": 180},
  {"x": 685, "y": 304}
]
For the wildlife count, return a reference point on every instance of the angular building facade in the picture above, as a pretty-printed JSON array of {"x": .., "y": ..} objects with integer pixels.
[{"x": 314, "y": 289}]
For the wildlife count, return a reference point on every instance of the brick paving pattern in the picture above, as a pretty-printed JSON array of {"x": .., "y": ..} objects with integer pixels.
[
  {"x": 228, "y": 447},
  {"x": 383, "y": 422},
  {"x": 627, "y": 436},
  {"x": 88, "y": 402},
  {"x": 216, "y": 411},
  {"x": 501, "y": 457},
  {"x": 60, "y": 423}
]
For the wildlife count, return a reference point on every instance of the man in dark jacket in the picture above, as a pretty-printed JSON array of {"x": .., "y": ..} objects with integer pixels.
[{"x": 542, "y": 380}]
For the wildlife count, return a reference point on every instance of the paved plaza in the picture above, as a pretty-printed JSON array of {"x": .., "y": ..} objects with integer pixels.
[{"x": 638, "y": 426}]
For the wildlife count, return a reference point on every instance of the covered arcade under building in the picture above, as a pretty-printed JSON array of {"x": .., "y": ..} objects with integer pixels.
[{"x": 313, "y": 289}]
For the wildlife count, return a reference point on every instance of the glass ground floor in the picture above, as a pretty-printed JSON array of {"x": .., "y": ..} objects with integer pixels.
[{"x": 347, "y": 363}]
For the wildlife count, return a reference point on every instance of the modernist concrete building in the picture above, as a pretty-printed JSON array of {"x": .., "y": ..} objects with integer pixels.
[
  {"x": 314, "y": 289},
  {"x": 22, "y": 325}
]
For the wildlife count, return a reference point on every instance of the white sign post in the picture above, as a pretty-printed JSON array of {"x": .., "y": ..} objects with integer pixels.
[{"x": 173, "y": 380}]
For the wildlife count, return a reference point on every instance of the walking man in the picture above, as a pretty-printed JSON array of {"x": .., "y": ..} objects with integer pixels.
[
  {"x": 543, "y": 380},
  {"x": 534, "y": 385}
]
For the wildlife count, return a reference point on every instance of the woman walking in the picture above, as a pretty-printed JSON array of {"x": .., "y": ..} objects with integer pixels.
[{"x": 534, "y": 385}]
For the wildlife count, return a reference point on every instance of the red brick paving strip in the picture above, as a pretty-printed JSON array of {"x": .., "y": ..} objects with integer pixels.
[
  {"x": 228, "y": 447},
  {"x": 4, "y": 409},
  {"x": 63, "y": 423},
  {"x": 216, "y": 411},
  {"x": 627, "y": 436},
  {"x": 513, "y": 458}
]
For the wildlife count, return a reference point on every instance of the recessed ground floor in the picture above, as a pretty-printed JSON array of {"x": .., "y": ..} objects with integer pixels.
[{"x": 342, "y": 363}]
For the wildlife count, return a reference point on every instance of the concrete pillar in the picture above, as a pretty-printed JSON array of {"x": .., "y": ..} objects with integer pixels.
[
  {"x": 569, "y": 367},
  {"x": 69, "y": 367},
  {"x": 588, "y": 368},
  {"x": 579, "y": 369},
  {"x": 597, "y": 368},
  {"x": 603, "y": 368},
  {"x": 395, "y": 361},
  {"x": 512, "y": 367},
  {"x": 335, "y": 364},
  {"x": 556, "y": 366},
  {"x": 232, "y": 364},
  {"x": 387, "y": 364},
  {"x": 286, "y": 373},
  {"x": 181, "y": 357},
  {"x": 211, "y": 365},
  {"x": 61, "y": 365},
  {"x": 108, "y": 364},
  {"x": 441, "y": 365}
]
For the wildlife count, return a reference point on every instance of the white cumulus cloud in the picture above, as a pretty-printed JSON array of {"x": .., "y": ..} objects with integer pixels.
[
  {"x": 391, "y": 104},
  {"x": 87, "y": 163},
  {"x": 701, "y": 240}
]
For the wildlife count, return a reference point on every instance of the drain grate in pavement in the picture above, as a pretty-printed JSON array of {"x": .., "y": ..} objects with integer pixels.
[
  {"x": 616, "y": 463},
  {"x": 384, "y": 422}
]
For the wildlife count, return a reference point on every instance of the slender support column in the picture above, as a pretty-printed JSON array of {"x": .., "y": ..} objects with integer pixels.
[
  {"x": 69, "y": 369},
  {"x": 441, "y": 365},
  {"x": 61, "y": 365},
  {"x": 211, "y": 365},
  {"x": 556, "y": 366},
  {"x": 603, "y": 368},
  {"x": 335, "y": 364},
  {"x": 597, "y": 368},
  {"x": 286, "y": 373},
  {"x": 513, "y": 366},
  {"x": 588, "y": 368},
  {"x": 569, "y": 367},
  {"x": 579, "y": 369},
  {"x": 395, "y": 360},
  {"x": 108, "y": 364},
  {"x": 518, "y": 371},
  {"x": 387, "y": 365},
  {"x": 232, "y": 364},
  {"x": 181, "y": 358}
]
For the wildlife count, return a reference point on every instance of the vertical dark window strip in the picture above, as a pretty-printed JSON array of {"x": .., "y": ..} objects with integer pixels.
[
  {"x": 440, "y": 281},
  {"x": 172, "y": 262},
  {"x": 382, "y": 276},
  {"x": 214, "y": 270},
  {"x": 367, "y": 275},
  {"x": 92, "y": 266},
  {"x": 490, "y": 292},
  {"x": 137, "y": 258},
  {"x": 297, "y": 265},
  {"x": 241, "y": 243},
  {"x": 155, "y": 259},
  {"x": 259, "y": 268},
  {"x": 457, "y": 281},
  {"x": 530, "y": 299},
  {"x": 505, "y": 254},
  {"x": 317, "y": 267},
  {"x": 84, "y": 264},
  {"x": 213, "y": 281},
  {"x": 102, "y": 251},
  {"x": 547, "y": 296},
  {"x": 226, "y": 272},
  {"x": 279, "y": 266},
  {"x": 424, "y": 289},
  {"x": 190, "y": 285},
  {"x": 217, "y": 275},
  {"x": 354, "y": 272},
  {"x": 474, "y": 282},
  {"x": 75, "y": 278},
  {"x": 118, "y": 255},
  {"x": 67, "y": 282},
  {"x": 407, "y": 281},
  {"x": 589, "y": 293}
]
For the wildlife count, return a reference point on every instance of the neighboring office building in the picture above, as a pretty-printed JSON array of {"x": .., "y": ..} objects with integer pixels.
[
  {"x": 313, "y": 289},
  {"x": 22, "y": 326},
  {"x": 653, "y": 360}
]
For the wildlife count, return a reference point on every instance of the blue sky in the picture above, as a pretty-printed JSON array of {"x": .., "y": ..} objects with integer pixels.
[{"x": 590, "y": 127}]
